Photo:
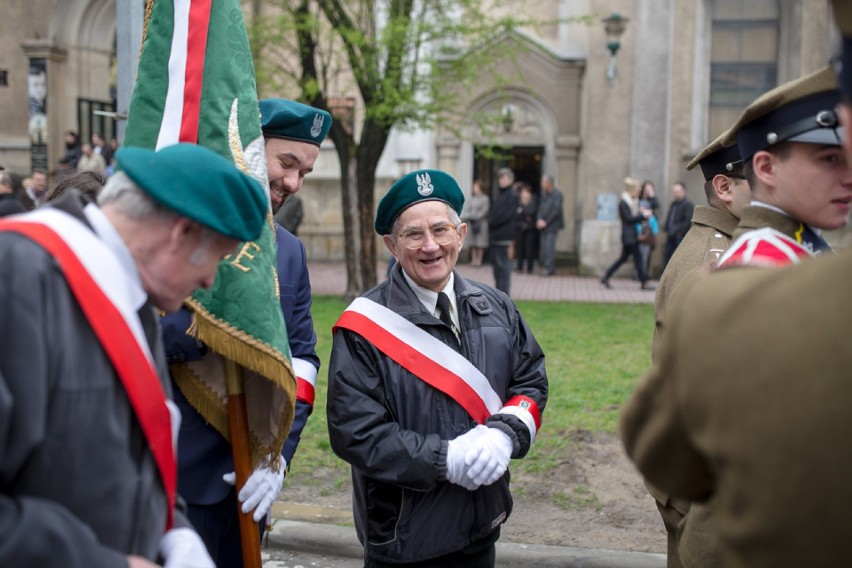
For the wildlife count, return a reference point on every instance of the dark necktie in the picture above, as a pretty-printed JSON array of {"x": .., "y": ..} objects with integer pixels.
[{"x": 444, "y": 312}]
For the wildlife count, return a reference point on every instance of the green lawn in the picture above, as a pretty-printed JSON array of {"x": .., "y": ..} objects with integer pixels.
[{"x": 595, "y": 353}]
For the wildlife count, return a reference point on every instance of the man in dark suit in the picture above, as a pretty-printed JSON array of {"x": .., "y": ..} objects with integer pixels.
[
  {"x": 678, "y": 220},
  {"x": 293, "y": 133}
]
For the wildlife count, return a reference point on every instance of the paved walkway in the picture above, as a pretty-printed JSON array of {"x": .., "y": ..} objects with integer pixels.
[{"x": 329, "y": 279}]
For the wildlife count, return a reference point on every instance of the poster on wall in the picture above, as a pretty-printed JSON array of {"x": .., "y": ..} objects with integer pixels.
[{"x": 37, "y": 85}]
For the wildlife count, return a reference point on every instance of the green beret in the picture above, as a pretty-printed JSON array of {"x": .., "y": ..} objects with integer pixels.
[
  {"x": 199, "y": 184},
  {"x": 798, "y": 111},
  {"x": 716, "y": 158},
  {"x": 420, "y": 185},
  {"x": 280, "y": 118}
]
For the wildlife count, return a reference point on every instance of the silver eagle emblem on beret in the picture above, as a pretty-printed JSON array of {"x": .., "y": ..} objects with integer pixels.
[
  {"x": 316, "y": 127},
  {"x": 424, "y": 184}
]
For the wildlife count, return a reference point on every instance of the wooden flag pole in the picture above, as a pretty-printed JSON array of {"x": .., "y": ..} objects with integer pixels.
[{"x": 238, "y": 428}]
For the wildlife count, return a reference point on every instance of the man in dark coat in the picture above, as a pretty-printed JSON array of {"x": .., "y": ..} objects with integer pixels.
[
  {"x": 87, "y": 430},
  {"x": 293, "y": 133},
  {"x": 9, "y": 204},
  {"x": 501, "y": 229},
  {"x": 678, "y": 220},
  {"x": 435, "y": 383},
  {"x": 550, "y": 221}
]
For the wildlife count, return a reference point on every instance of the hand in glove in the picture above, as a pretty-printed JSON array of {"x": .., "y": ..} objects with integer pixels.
[
  {"x": 456, "y": 451},
  {"x": 488, "y": 460},
  {"x": 183, "y": 548},
  {"x": 260, "y": 490}
]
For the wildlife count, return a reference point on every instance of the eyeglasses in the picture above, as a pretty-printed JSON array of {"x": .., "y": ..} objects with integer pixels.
[{"x": 413, "y": 239}]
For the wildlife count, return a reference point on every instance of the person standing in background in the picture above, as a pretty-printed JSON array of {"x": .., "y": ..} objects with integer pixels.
[
  {"x": 678, "y": 220},
  {"x": 501, "y": 229},
  {"x": 630, "y": 214},
  {"x": 525, "y": 231},
  {"x": 9, "y": 204},
  {"x": 476, "y": 217},
  {"x": 550, "y": 221},
  {"x": 648, "y": 229},
  {"x": 91, "y": 161},
  {"x": 291, "y": 213}
]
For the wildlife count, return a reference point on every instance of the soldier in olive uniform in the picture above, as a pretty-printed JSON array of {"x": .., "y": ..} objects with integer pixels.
[
  {"x": 747, "y": 403},
  {"x": 790, "y": 142},
  {"x": 710, "y": 235},
  {"x": 713, "y": 224}
]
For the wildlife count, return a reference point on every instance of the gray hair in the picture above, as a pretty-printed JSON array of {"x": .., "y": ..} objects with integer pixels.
[
  {"x": 454, "y": 219},
  {"x": 131, "y": 200},
  {"x": 506, "y": 172},
  {"x": 123, "y": 193}
]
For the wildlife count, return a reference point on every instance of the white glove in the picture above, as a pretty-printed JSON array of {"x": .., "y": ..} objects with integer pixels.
[
  {"x": 457, "y": 448},
  {"x": 260, "y": 490},
  {"x": 183, "y": 548},
  {"x": 488, "y": 460}
]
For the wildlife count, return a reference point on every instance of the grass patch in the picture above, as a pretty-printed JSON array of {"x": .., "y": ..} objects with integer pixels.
[
  {"x": 581, "y": 498},
  {"x": 594, "y": 355}
]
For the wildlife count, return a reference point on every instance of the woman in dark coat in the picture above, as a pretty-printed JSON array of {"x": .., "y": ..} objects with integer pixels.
[{"x": 630, "y": 214}]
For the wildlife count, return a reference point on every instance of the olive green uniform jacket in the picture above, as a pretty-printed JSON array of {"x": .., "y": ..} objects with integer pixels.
[
  {"x": 707, "y": 239},
  {"x": 748, "y": 404},
  {"x": 756, "y": 217}
]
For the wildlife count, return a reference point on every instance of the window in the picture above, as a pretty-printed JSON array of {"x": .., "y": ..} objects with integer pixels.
[{"x": 743, "y": 57}]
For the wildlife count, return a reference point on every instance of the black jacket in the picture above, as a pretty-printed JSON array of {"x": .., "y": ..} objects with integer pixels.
[
  {"x": 501, "y": 216},
  {"x": 393, "y": 428},
  {"x": 679, "y": 219},
  {"x": 628, "y": 223}
]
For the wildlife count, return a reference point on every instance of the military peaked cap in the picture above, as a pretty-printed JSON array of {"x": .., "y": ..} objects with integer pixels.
[
  {"x": 716, "y": 158},
  {"x": 798, "y": 111}
]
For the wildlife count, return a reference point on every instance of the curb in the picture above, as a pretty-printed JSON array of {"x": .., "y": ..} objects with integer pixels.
[{"x": 341, "y": 541}]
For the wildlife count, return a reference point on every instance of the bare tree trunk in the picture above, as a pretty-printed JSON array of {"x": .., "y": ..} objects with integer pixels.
[
  {"x": 373, "y": 140},
  {"x": 355, "y": 283}
]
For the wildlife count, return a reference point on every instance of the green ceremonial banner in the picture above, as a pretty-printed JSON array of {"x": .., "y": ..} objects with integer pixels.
[{"x": 196, "y": 84}]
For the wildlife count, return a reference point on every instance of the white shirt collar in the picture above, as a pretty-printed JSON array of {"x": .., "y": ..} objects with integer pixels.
[
  {"x": 112, "y": 240},
  {"x": 429, "y": 298}
]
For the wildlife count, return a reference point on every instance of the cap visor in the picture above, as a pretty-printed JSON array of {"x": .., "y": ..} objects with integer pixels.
[{"x": 829, "y": 136}]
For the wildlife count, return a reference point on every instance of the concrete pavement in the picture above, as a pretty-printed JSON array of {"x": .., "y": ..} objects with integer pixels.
[
  {"x": 329, "y": 279},
  {"x": 339, "y": 546}
]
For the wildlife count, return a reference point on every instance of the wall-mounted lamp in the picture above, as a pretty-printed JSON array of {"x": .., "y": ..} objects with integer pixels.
[
  {"x": 508, "y": 117},
  {"x": 614, "y": 25}
]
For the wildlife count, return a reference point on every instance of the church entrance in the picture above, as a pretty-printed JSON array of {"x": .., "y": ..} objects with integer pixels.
[{"x": 525, "y": 161}]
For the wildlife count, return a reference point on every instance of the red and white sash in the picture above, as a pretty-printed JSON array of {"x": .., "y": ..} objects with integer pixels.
[
  {"x": 97, "y": 281},
  {"x": 434, "y": 362},
  {"x": 306, "y": 380},
  {"x": 763, "y": 247}
]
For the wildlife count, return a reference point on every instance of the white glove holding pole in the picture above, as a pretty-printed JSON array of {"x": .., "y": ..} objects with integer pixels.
[
  {"x": 457, "y": 448},
  {"x": 260, "y": 490},
  {"x": 488, "y": 460},
  {"x": 183, "y": 548}
]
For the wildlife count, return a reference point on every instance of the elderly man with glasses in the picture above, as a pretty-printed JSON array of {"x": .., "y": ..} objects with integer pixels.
[{"x": 435, "y": 383}]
